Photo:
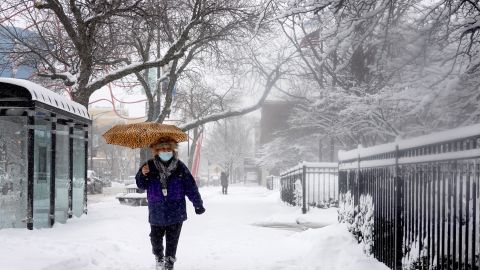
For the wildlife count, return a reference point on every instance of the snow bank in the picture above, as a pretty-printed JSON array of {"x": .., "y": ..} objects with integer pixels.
[
  {"x": 117, "y": 184},
  {"x": 334, "y": 248},
  {"x": 111, "y": 236},
  {"x": 292, "y": 217}
]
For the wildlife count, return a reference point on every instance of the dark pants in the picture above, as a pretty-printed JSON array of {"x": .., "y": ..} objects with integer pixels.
[
  {"x": 224, "y": 189},
  {"x": 171, "y": 233}
]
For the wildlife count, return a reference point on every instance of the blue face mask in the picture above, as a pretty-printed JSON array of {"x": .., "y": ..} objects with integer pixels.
[{"x": 165, "y": 156}]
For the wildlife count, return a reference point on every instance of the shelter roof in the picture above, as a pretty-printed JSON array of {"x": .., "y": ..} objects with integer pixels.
[{"x": 43, "y": 95}]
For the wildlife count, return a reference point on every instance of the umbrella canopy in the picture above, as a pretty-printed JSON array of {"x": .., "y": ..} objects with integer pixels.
[{"x": 141, "y": 135}]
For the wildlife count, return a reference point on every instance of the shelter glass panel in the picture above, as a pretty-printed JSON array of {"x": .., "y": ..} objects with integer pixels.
[
  {"x": 41, "y": 187},
  {"x": 61, "y": 174},
  {"x": 13, "y": 171},
  {"x": 78, "y": 172}
]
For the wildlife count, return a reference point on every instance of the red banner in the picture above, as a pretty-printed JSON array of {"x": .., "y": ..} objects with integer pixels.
[{"x": 196, "y": 158}]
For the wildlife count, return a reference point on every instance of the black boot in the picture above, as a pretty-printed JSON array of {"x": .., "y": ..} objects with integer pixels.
[
  {"x": 159, "y": 263},
  {"x": 169, "y": 261}
]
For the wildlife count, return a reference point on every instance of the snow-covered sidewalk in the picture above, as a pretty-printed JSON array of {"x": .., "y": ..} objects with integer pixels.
[{"x": 235, "y": 233}]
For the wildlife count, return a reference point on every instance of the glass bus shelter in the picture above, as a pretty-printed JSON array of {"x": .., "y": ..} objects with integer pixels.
[{"x": 43, "y": 156}]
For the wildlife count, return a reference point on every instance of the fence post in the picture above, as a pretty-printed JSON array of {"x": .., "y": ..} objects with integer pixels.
[
  {"x": 398, "y": 213},
  {"x": 304, "y": 189}
]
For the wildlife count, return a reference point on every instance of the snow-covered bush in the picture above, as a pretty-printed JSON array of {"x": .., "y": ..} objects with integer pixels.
[
  {"x": 416, "y": 258},
  {"x": 346, "y": 213},
  {"x": 292, "y": 196},
  {"x": 298, "y": 192},
  {"x": 364, "y": 222},
  {"x": 359, "y": 218},
  {"x": 413, "y": 257},
  {"x": 285, "y": 193}
]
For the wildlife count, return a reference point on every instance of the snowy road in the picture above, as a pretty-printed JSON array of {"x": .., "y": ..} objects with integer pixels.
[{"x": 231, "y": 235}]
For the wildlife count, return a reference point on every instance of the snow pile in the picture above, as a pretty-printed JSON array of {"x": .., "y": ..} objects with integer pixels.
[
  {"x": 334, "y": 248},
  {"x": 317, "y": 218},
  {"x": 292, "y": 217},
  {"x": 109, "y": 237},
  {"x": 117, "y": 184}
]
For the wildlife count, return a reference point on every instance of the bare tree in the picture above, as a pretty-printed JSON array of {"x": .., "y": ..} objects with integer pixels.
[
  {"x": 229, "y": 142},
  {"x": 83, "y": 43},
  {"x": 194, "y": 100},
  {"x": 375, "y": 70}
]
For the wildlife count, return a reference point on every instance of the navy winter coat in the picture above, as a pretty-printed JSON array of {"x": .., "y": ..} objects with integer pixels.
[{"x": 172, "y": 209}]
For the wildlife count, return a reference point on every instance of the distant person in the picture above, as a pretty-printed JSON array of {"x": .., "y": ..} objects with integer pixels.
[
  {"x": 224, "y": 182},
  {"x": 5, "y": 188},
  {"x": 167, "y": 181}
]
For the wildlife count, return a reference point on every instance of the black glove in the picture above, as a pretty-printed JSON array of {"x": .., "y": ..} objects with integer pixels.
[{"x": 199, "y": 210}]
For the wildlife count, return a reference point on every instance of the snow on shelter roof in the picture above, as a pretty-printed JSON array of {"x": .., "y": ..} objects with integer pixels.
[{"x": 43, "y": 95}]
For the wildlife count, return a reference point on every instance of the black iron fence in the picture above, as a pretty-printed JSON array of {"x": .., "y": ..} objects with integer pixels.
[
  {"x": 310, "y": 185},
  {"x": 273, "y": 182},
  {"x": 423, "y": 196}
]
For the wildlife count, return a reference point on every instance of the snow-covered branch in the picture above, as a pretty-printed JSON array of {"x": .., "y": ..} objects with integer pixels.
[
  {"x": 131, "y": 69},
  {"x": 272, "y": 78},
  {"x": 68, "y": 78},
  {"x": 302, "y": 7}
]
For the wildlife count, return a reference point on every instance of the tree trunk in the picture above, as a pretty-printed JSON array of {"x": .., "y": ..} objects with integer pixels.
[
  {"x": 82, "y": 97},
  {"x": 332, "y": 149}
]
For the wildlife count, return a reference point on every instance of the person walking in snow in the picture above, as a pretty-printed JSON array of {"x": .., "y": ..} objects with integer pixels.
[
  {"x": 167, "y": 181},
  {"x": 224, "y": 182}
]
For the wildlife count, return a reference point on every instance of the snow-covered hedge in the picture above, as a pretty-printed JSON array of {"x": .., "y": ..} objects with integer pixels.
[
  {"x": 346, "y": 213},
  {"x": 359, "y": 219},
  {"x": 298, "y": 192}
]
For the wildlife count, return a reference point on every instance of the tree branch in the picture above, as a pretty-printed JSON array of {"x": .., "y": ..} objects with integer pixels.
[{"x": 272, "y": 78}]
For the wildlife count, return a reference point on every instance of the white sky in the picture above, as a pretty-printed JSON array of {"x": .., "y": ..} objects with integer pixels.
[{"x": 134, "y": 110}]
